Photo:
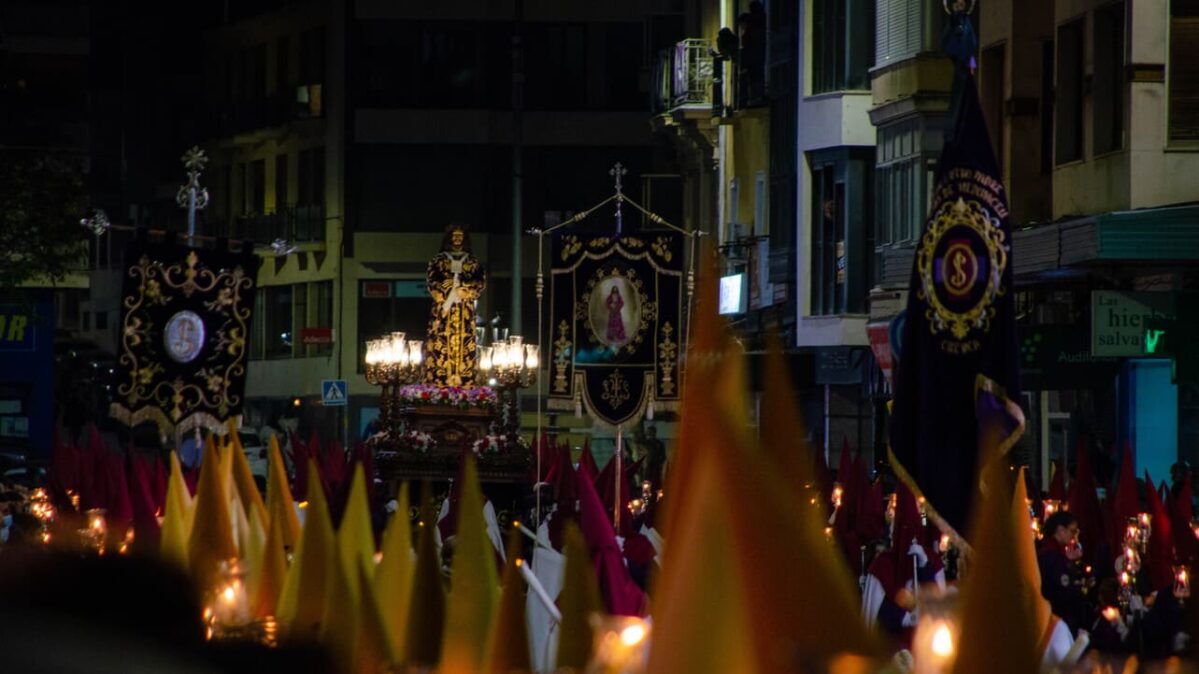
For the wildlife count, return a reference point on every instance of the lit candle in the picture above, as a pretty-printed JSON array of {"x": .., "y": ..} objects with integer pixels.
[
  {"x": 1051, "y": 506},
  {"x": 838, "y": 492},
  {"x": 1182, "y": 582},
  {"x": 1111, "y": 614},
  {"x": 621, "y": 644},
  {"x": 934, "y": 642},
  {"x": 944, "y": 545},
  {"x": 229, "y": 604}
]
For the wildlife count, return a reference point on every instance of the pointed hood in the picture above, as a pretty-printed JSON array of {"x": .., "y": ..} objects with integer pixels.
[
  {"x": 1125, "y": 504},
  {"x": 211, "y": 538},
  {"x": 426, "y": 610},
  {"x": 393, "y": 577},
  {"x": 1084, "y": 504},
  {"x": 271, "y": 574},
  {"x": 1181, "y": 515},
  {"x": 474, "y": 588},
  {"x": 1057, "y": 484},
  {"x": 587, "y": 465},
  {"x": 279, "y": 502},
  {"x": 1160, "y": 550},
  {"x": 306, "y": 589},
  {"x": 509, "y": 638},
  {"x": 578, "y": 600},
  {"x": 996, "y": 577},
  {"x": 177, "y": 518},
  {"x": 355, "y": 537},
  {"x": 247, "y": 490}
]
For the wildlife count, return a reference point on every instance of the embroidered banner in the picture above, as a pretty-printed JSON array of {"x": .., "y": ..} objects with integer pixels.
[
  {"x": 615, "y": 319},
  {"x": 185, "y": 327}
]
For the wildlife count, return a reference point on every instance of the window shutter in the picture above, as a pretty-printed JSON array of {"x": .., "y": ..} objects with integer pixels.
[{"x": 882, "y": 19}]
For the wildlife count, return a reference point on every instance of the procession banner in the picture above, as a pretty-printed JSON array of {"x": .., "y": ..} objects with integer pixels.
[
  {"x": 959, "y": 339},
  {"x": 615, "y": 324},
  {"x": 184, "y": 335}
]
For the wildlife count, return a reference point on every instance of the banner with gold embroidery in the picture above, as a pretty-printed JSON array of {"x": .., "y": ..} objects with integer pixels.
[
  {"x": 185, "y": 329},
  {"x": 615, "y": 319}
]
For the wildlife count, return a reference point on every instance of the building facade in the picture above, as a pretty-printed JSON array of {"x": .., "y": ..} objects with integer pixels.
[
  {"x": 1092, "y": 114},
  {"x": 357, "y": 131}
]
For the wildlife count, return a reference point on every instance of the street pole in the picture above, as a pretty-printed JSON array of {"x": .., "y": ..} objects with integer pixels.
[{"x": 518, "y": 77}]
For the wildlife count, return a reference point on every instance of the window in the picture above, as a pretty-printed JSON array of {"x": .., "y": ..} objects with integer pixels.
[
  {"x": 85, "y": 322},
  {"x": 1069, "y": 91},
  {"x": 283, "y": 66},
  {"x": 101, "y": 320},
  {"x": 828, "y": 210},
  {"x": 1107, "y": 90},
  {"x": 1046, "y": 107},
  {"x": 312, "y": 56},
  {"x": 243, "y": 206},
  {"x": 841, "y": 189},
  {"x": 256, "y": 186},
  {"x": 555, "y": 62},
  {"x": 760, "y": 204},
  {"x": 276, "y": 335},
  {"x": 992, "y": 95},
  {"x": 841, "y": 40},
  {"x": 253, "y": 81},
  {"x": 734, "y": 207},
  {"x": 311, "y": 177},
  {"x": 386, "y": 305},
  {"x": 280, "y": 183},
  {"x": 1183, "y": 70},
  {"x": 901, "y": 187},
  {"x": 622, "y": 66},
  {"x": 448, "y": 72},
  {"x": 320, "y": 314},
  {"x": 898, "y": 29}
]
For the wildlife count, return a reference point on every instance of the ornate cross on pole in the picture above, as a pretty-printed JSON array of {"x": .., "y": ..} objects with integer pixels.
[
  {"x": 618, "y": 171},
  {"x": 191, "y": 196},
  {"x": 97, "y": 224}
]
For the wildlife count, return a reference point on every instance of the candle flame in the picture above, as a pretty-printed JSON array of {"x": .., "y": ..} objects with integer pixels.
[
  {"x": 1111, "y": 613},
  {"x": 633, "y": 634},
  {"x": 942, "y": 641},
  {"x": 229, "y": 594}
]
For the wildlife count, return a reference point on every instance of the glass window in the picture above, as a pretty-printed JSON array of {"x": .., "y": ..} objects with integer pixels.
[
  {"x": 1183, "y": 70},
  {"x": 277, "y": 322},
  {"x": 1108, "y": 81},
  {"x": 1069, "y": 91},
  {"x": 283, "y": 66},
  {"x": 280, "y": 183},
  {"x": 898, "y": 29},
  {"x": 320, "y": 314},
  {"x": 256, "y": 186},
  {"x": 842, "y": 33}
]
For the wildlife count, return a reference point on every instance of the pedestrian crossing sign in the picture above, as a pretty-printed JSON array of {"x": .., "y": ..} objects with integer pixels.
[{"x": 333, "y": 392}]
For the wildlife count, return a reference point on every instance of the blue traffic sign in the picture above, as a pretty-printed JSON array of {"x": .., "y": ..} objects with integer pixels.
[{"x": 333, "y": 392}]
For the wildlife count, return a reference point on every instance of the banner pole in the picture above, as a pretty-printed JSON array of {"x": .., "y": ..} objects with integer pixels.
[{"x": 619, "y": 478}]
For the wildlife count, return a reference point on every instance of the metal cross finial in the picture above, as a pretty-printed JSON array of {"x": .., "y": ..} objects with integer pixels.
[
  {"x": 98, "y": 223},
  {"x": 618, "y": 171},
  {"x": 191, "y": 196}
]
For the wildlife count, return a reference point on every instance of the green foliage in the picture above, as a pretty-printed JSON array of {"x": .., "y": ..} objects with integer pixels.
[{"x": 42, "y": 199}]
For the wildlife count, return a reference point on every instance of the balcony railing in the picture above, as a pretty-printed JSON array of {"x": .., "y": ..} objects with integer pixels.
[
  {"x": 684, "y": 75},
  {"x": 297, "y": 224}
]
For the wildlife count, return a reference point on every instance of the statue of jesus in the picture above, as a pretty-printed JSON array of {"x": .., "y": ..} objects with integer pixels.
[{"x": 455, "y": 279}]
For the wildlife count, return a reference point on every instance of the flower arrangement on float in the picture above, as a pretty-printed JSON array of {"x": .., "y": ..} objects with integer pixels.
[
  {"x": 483, "y": 397},
  {"x": 417, "y": 441},
  {"x": 496, "y": 444}
]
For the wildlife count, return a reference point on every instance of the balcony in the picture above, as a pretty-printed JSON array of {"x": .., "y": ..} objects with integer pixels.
[
  {"x": 241, "y": 117},
  {"x": 684, "y": 76},
  {"x": 299, "y": 224}
]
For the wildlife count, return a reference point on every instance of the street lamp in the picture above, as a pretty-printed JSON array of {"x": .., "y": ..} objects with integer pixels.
[{"x": 391, "y": 362}]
